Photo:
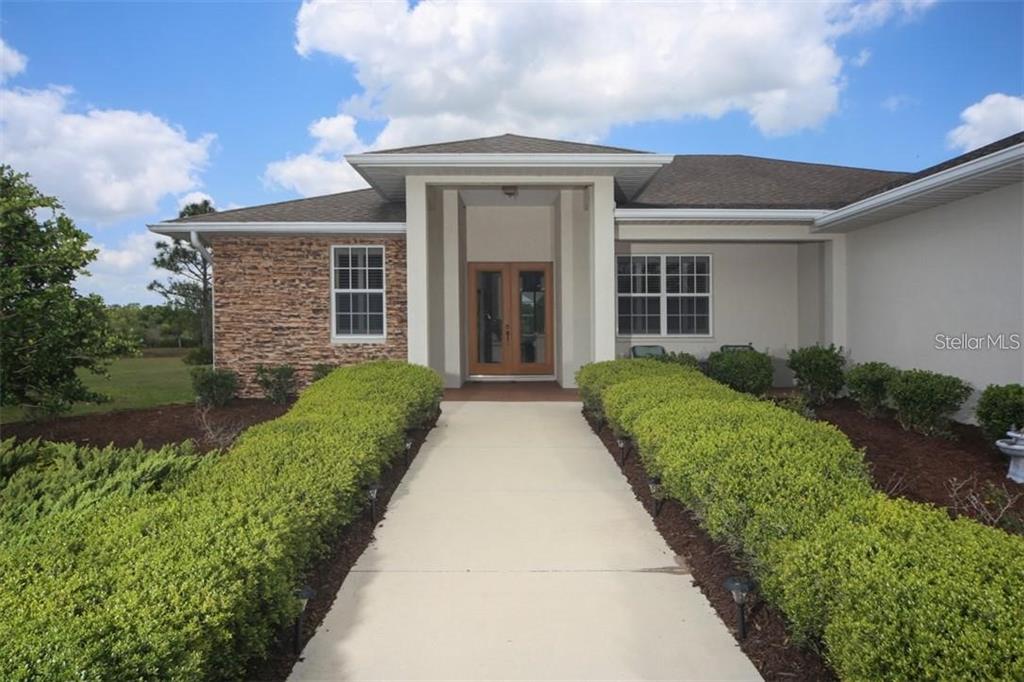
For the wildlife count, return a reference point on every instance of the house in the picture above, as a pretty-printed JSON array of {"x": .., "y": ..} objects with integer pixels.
[{"x": 516, "y": 258}]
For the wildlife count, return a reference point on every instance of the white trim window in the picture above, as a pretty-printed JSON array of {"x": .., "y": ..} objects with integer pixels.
[
  {"x": 358, "y": 305},
  {"x": 663, "y": 295}
]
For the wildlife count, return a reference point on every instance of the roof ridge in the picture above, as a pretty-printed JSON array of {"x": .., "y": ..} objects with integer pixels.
[
  {"x": 494, "y": 137},
  {"x": 189, "y": 219},
  {"x": 793, "y": 161}
]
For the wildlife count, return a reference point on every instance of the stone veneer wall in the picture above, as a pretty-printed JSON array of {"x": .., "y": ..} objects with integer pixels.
[{"x": 272, "y": 305}]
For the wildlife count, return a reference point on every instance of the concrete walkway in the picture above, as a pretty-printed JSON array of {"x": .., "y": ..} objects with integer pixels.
[{"x": 514, "y": 549}]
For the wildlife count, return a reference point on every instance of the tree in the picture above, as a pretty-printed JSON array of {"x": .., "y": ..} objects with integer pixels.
[
  {"x": 191, "y": 284},
  {"x": 48, "y": 330}
]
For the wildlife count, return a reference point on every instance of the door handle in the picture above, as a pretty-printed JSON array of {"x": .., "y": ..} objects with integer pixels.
[{"x": 508, "y": 332}]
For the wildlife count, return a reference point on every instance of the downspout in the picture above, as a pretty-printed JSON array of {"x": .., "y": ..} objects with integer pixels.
[{"x": 198, "y": 245}]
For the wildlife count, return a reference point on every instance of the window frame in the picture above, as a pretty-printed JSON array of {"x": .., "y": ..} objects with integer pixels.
[
  {"x": 383, "y": 291},
  {"x": 664, "y": 296}
]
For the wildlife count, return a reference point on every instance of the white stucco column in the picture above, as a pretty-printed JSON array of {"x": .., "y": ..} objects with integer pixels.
[
  {"x": 418, "y": 333},
  {"x": 566, "y": 337},
  {"x": 453, "y": 275},
  {"x": 835, "y": 282},
  {"x": 603, "y": 271}
]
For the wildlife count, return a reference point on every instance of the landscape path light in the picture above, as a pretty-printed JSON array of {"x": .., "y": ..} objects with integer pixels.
[
  {"x": 372, "y": 491},
  {"x": 624, "y": 445},
  {"x": 304, "y": 594},
  {"x": 740, "y": 588},
  {"x": 654, "y": 485}
]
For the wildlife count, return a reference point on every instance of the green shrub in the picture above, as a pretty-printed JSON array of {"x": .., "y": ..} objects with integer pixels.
[
  {"x": 925, "y": 401},
  {"x": 416, "y": 390},
  {"x": 999, "y": 409},
  {"x": 868, "y": 384},
  {"x": 195, "y": 582},
  {"x": 322, "y": 369},
  {"x": 594, "y": 378},
  {"x": 900, "y": 592},
  {"x": 818, "y": 371},
  {"x": 679, "y": 358},
  {"x": 55, "y": 477},
  {"x": 278, "y": 383},
  {"x": 749, "y": 371},
  {"x": 796, "y": 403},
  {"x": 893, "y": 589},
  {"x": 200, "y": 355},
  {"x": 215, "y": 387}
]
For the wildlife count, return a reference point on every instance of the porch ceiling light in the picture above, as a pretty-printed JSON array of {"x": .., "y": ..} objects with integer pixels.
[{"x": 511, "y": 191}]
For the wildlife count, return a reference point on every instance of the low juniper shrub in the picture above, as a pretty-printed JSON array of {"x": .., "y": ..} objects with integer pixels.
[
  {"x": 925, "y": 401},
  {"x": 215, "y": 387},
  {"x": 278, "y": 383},
  {"x": 999, "y": 409},
  {"x": 868, "y": 384},
  {"x": 749, "y": 371},
  {"x": 819, "y": 372}
]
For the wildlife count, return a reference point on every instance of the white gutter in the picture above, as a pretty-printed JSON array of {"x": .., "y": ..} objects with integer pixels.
[
  {"x": 170, "y": 228},
  {"x": 624, "y": 160},
  {"x": 761, "y": 215},
  {"x": 198, "y": 245},
  {"x": 996, "y": 161}
]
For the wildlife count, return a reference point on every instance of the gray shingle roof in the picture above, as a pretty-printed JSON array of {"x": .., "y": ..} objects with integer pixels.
[
  {"x": 720, "y": 181},
  {"x": 509, "y": 144},
  {"x": 690, "y": 181},
  {"x": 360, "y": 206}
]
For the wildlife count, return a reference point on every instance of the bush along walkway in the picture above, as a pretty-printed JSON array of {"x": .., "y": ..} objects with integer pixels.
[
  {"x": 197, "y": 581},
  {"x": 889, "y": 589}
]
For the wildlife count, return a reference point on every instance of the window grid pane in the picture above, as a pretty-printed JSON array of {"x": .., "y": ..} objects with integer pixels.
[
  {"x": 681, "y": 284},
  {"x": 359, "y": 291}
]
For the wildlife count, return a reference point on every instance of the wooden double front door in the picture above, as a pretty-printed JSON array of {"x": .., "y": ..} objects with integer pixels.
[{"x": 510, "y": 318}]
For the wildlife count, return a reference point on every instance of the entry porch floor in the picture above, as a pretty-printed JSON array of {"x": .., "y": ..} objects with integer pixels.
[{"x": 515, "y": 550}]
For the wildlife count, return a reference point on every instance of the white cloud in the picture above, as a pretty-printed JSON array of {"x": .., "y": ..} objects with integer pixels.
[
  {"x": 437, "y": 71},
  {"x": 862, "y": 58},
  {"x": 194, "y": 198},
  {"x": 324, "y": 170},
  {"x": 121, "y": 271},
  {"x": 103, "y": 164},
  {"x": 895, "y": 103},
  {"x": 993, "y": 118},
  {"x": 12, "y": 62}
]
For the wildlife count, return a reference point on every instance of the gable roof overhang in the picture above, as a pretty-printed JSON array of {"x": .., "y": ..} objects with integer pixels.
[
  {"x": 386, "y": 173},
  {"x": 933, "y": 187}
]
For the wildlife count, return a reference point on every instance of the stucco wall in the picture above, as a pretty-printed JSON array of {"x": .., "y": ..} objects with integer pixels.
[
  {"x": 272, "y": 304},
  {"x": 510, "y": 233},
  {"x": 754, "y": 290},
  {"x": 952, "y": 269},
  {"x": 811, "y": 293}
]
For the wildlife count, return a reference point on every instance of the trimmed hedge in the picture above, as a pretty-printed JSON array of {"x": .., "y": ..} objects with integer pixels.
[
  {"x": 868, "y": 385},
  {"x": 195, "y": 582},
  {"x": 925, "y": 401},
  {"x": 749, "y": 371},
  {"x": 999, "y": 409},
  {"x": 818, "y": 371},
  {"x": 894, "y": 590}
]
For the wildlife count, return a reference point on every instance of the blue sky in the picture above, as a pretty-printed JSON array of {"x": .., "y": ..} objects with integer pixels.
[{"x": 122, "y": 109}]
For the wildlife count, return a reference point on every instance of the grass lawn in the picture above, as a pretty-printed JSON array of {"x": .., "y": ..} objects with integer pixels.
[{"x": 132, "y": 383}]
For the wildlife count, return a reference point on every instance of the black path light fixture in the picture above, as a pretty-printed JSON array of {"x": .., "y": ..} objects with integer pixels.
[
  {"x": 408, "y": 450},
  {"x": 740, "y": 588},
  {"x": 372, "y": 491},
  {"x": 624, "y": 446},
  {"x": 654, "y": 485},
  {"x": 303, "y": 594}
]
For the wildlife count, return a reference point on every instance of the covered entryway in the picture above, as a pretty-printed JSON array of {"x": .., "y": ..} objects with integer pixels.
[{"x": 511, "y": 322}]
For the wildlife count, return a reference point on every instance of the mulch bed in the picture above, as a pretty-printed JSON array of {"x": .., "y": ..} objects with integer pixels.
[
  {"x": 919, "y": 468},
  {"x": 155, "y": 426},
  {"x": 767, "y": 644},
  {"x": 327, "y": 575}
]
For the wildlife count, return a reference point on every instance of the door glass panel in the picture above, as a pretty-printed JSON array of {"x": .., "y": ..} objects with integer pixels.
[
  {"x": 532, "y": 317},
  {"x": 489, "y": 317}
]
